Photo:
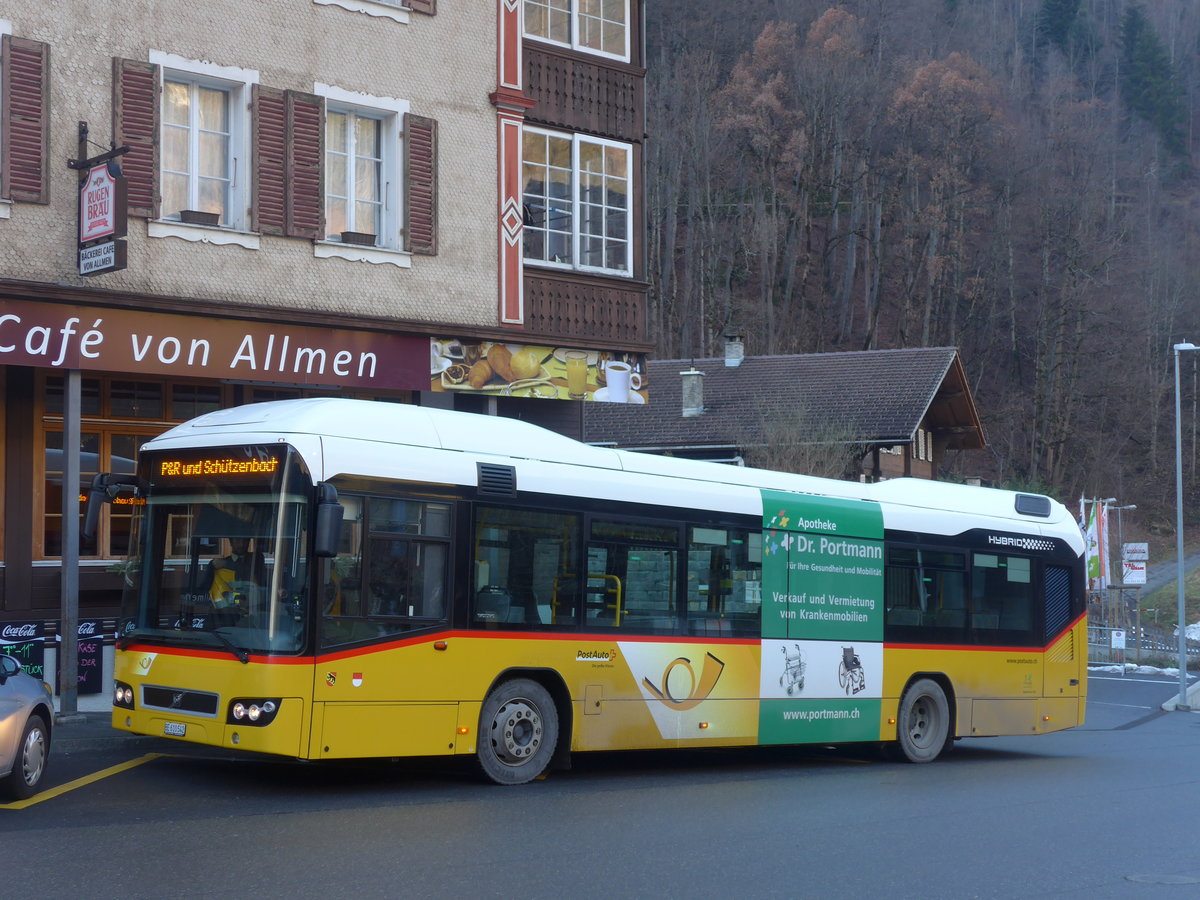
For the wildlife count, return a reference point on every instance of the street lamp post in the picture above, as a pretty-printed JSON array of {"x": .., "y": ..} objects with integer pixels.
[{"x": 1182, "y": 704}]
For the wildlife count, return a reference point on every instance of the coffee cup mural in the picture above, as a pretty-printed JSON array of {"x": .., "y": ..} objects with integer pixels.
[{"x": 621, "y": 378}]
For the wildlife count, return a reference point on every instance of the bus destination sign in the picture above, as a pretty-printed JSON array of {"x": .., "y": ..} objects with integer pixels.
[{"x": 208, "y": 466}]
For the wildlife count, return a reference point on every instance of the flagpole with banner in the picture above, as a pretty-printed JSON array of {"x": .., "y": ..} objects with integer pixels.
[{"x": 1092, "y": 544}]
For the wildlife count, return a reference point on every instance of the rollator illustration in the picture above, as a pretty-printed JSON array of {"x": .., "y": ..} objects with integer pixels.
[
  {"x": 850, "y": 672},
  {"x": 792, "y": 678}
]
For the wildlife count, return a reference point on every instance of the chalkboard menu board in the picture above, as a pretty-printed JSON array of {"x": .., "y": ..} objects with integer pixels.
[
  {"x": 90, "y": 657},
  {"x": 24, "y": 641}
]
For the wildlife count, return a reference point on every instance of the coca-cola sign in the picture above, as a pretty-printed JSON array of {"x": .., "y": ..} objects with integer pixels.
[
  {"x": 24, "y": 642},
  {"x": 89, "y": 657}
]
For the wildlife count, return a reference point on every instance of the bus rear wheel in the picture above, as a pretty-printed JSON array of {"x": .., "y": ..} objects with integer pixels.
[
  {"x": 518, "y": 732},
  {"x": 923, "y": 729}
]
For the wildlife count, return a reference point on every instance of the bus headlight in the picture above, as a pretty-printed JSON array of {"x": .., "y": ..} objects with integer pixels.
[
  {"x": 122, "y": 695},
  {"x": 256, "y": 711}
]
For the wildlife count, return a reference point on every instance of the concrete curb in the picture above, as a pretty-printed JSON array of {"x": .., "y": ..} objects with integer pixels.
[
  {"x": 1193, "y": 700},
  {"x": 92, "y": 732}
]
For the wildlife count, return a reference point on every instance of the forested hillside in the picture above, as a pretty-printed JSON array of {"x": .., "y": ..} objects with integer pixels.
[{"x": 1013, "y": 177}]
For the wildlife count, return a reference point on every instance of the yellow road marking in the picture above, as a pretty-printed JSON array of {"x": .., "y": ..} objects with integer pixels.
[{"x": 51, "y": 793}]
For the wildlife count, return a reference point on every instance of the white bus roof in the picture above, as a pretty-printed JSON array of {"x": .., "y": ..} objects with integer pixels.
[{"x": 343, "y": 429}]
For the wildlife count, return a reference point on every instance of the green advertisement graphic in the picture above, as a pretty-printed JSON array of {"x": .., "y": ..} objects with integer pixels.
[
  {"x": 818, "y": 721},
  {"x": 822, "y": 620},
  {"x": 822, "y": 568}
]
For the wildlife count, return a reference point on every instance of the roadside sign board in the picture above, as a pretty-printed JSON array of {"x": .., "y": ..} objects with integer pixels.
[{"x": 1133, "y": 563}]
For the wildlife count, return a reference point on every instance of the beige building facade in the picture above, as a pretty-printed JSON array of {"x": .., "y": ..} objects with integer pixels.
[{"x": 351, "y": 196}]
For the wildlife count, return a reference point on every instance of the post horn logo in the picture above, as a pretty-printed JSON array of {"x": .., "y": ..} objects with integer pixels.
[{"x": 710, "y": 673}]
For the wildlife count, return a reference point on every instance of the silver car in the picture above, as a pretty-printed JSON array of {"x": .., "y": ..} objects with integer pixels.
[{"x": 26, "y": 711}]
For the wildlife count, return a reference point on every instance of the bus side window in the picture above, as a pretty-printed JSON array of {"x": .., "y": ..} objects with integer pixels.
[
  {"x": 1002, "y": 596},
  {"x": 632, "y": 575},
  {"x": 342, "y": 587},
  {"x": 407, "y": 562},
  {"x": 526, "y": 564},
  {"x": 391, "y": 572},
  {"x": 724, "y": 578},
  {"x": 926, "y": 588},
  {"x": 904, "y": 602}
]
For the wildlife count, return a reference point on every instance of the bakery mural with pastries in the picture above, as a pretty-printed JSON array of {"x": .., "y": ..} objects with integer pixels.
[{"x": 537, "y": 371}]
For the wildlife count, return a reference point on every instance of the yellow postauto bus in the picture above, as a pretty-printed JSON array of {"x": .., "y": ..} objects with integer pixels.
[{"x": 330, "y": 579}]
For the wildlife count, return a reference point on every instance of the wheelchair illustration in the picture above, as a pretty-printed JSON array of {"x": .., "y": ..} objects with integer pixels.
[
  {"x": 792, "y": 679},
  {"x": 850, "y": 672}
]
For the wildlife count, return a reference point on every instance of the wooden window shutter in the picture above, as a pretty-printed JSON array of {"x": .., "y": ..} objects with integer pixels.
[
  {"x": 25, "y": 129},
  {"x": 420, "y": 183},
  {"x": 268, "y": 202},
  {"x": 136, "y": 92},
  {"x": 428, "y": 7},
  {"x": 305, "y": 165}
]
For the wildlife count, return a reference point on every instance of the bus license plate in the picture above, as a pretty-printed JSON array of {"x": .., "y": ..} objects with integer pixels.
[{"x": 174, "y": 729}]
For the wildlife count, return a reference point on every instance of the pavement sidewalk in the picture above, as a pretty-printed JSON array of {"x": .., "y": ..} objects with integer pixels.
[{"x": 90, "y": 729}]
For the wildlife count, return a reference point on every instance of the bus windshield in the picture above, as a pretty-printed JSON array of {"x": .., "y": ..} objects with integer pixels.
[{"x": 219, "y": 551}]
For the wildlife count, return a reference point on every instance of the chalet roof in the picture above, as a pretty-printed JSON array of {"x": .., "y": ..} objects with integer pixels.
[{"x": 870, "y": 396}]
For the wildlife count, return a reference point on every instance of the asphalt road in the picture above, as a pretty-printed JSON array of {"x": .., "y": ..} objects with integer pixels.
[{"x": 1105, "y": 811}]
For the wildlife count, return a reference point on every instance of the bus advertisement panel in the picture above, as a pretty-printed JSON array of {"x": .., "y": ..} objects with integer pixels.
[{"x": 822, "y": 620}]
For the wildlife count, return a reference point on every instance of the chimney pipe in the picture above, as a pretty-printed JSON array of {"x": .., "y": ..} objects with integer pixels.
[
  {"x": 693, "y": 392},
  {"x": 735, "y": 349}
]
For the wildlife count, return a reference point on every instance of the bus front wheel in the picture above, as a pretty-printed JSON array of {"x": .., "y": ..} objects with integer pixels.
[
  {"x": 518, "y": 731},
  {"x": 924, "y": 721}
]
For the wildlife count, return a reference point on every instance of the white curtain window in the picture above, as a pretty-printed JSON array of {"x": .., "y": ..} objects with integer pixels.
[
  {"x": 576, "y": 202},
  {"x": 353, "y": 173},
  {"x": 549, "y": 213},
  {"x": 601, "y": 25},
  {"x": 197, "y": 158},
  {"x": 603, "y": 206},
  {"x": 595, "y": 26},
  {"x": 549, "y": 19}
]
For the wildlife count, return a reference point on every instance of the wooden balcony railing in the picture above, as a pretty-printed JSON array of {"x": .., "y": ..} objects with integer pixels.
[
  {"x": 596, "y": 313},
  {"x": 583, "y": 95}
]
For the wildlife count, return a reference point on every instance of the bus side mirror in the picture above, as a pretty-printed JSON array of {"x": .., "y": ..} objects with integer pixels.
[
  {"x": 328, "y": 532},
  {"x": 97, "y": 496},
  {"x": 105, "y": 487}
]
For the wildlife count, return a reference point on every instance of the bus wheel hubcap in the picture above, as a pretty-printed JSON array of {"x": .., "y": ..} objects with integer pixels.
[
  {"x": 920, "y": 727},
  {"x": 517, "y": 732}
]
